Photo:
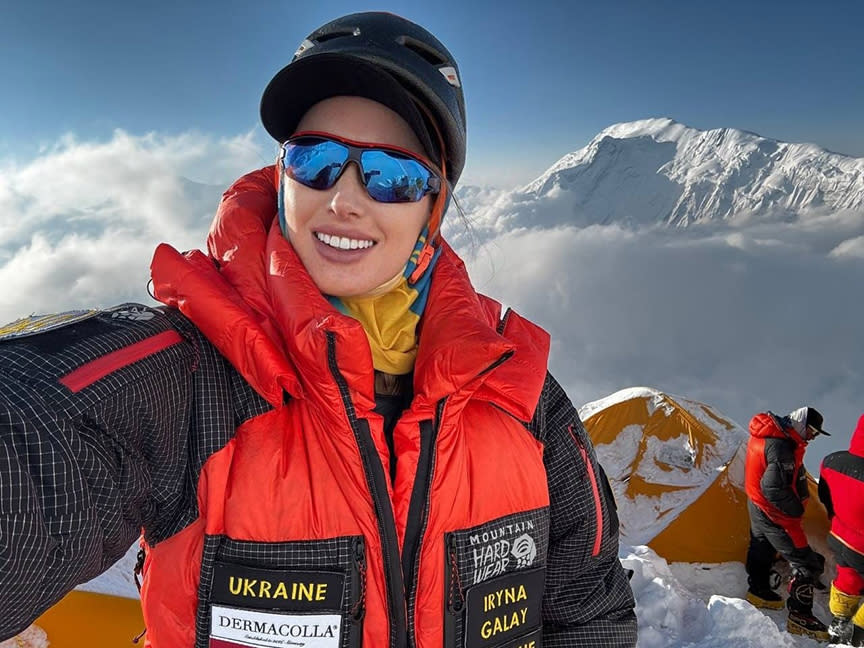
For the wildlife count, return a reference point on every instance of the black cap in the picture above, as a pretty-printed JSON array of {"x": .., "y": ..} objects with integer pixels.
[
  {"x": 301, "y": 85},
  {"x": 814, "y": 420}
]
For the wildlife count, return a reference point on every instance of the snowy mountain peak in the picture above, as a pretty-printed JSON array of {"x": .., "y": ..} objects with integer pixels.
[
  {"x": 661, "y": 171},
  {"x": 660, "y": 128}
]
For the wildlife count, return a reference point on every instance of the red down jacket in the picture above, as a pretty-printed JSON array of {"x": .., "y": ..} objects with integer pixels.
[
  {"x": 237, "y": 429},
  {"x": 775, "y": 478},
  {"x": 841, "y": 489}
]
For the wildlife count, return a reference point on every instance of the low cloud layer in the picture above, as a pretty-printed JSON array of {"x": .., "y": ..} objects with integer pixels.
[
  {"x": 78, "y": 224},
  {"x": 719, "y": 318},
  {"x": 753, "y": 314}
]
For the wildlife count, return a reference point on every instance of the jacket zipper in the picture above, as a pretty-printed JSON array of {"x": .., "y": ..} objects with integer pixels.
[
  {"x": 595, "y": 491},
  {"x": 376, "y": 481},
  {"x": 453, "y": 591},
  {"x": 397, "y": 575},
  {"x": 503, "y": 322},
  {"x": 358, "y": 592},
  {"x": 418, "y": 510},
  {"x": 138, "y": 573}
]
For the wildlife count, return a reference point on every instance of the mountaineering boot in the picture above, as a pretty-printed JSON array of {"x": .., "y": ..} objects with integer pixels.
[
  {"x": 841, "y": 630},
  {"x": 858, "y": 628},
  {"x": 765, "y": 598},
  {"x": 843, "y": 606},
  {"x": 801, "y": 623},
  {"x": 800, "y": 603}
]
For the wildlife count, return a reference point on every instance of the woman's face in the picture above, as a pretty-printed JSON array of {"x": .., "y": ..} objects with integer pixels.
[{"x": 347, "y": 211}]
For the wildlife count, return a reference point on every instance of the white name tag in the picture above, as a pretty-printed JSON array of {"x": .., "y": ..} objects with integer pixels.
[{"x": 230, "y": 627}]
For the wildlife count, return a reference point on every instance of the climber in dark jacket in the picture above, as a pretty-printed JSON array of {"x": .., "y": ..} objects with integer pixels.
[{"x": 777, "y": 492}]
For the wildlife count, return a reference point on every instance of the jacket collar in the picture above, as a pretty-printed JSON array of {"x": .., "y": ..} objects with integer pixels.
[
  {"x": 456, "y": 342},
  {"x": 256, "y": 303}
]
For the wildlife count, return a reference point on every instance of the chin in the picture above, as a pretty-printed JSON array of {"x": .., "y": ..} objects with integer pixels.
[{"x": 343, "y": 289}]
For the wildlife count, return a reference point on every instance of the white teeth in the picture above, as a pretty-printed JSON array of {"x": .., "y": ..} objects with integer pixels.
[{"x": 343, "y": 243}]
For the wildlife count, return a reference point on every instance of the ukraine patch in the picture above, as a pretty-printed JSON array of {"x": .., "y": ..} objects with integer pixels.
[{"x": 36, "y": 324}]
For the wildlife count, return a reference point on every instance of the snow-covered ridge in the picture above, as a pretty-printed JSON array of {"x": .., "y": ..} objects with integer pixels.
[{"x": 660, "y": 171}]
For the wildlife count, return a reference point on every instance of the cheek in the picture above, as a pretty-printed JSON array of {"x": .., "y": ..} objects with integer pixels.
[
  {"x": 413, "y": 221},
  {"x": 298, "y": 206}
]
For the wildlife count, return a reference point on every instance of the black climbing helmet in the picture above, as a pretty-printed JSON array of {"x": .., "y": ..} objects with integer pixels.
[{"x": 379, "y": 56}]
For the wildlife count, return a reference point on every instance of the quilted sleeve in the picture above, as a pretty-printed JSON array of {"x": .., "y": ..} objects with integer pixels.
[
  {"x": 91, "y": 450},
  {"x": 587, "y": 599}
]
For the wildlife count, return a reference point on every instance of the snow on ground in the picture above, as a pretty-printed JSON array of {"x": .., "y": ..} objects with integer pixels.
[{"x": 686, "y": 605}]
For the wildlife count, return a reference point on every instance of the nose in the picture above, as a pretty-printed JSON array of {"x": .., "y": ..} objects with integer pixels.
[{"x": 350, "y": 193}]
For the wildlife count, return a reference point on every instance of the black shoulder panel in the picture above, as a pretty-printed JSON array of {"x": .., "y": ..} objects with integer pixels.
[
  {"x": 846, "y": 463},
  {"x": 94, "y": 354}
]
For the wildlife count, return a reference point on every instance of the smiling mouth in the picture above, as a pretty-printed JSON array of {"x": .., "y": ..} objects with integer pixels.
[{"x": 344, "y": 243}]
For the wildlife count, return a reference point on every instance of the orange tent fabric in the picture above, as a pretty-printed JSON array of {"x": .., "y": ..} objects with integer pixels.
[
  {"x": 85, "y": 619},
  {"x": 677, "y": 470}
]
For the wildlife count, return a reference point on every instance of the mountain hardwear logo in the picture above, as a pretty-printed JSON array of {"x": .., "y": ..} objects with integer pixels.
[
  {"x": 135, "y": 314},
  {"x": 493, "y": 552},
  {"x": 524, "y": 551}
]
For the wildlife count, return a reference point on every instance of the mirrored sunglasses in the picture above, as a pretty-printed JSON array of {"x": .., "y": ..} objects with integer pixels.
[{"x": 390, "y": 174}]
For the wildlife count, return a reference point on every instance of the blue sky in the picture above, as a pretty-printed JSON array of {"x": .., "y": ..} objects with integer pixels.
[{"x": 540, "y": 78}]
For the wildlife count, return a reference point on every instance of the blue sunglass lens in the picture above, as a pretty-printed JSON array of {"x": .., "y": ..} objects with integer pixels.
[
  {"x": 314, "y": 164},
  {"x": 390, "y": 177}
]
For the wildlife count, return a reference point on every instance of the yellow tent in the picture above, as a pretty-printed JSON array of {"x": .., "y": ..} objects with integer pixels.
[
  {"x": 87, "y": 619},
  {"x": 677, "y": 470},
  {"x": 106, "y": 615}
]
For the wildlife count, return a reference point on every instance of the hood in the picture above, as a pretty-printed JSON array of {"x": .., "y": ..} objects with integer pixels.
[
  {"x": 856, "y": 444},
  {"x": 768, "y": 424}
]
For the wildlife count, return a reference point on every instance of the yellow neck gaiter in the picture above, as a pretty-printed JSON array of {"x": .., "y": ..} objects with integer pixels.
[
  {"x": 390, "y": 313},
  {"x": 390, "y": 324}
]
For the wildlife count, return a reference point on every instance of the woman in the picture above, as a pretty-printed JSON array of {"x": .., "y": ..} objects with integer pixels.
[{"x": 329, "y": 438}]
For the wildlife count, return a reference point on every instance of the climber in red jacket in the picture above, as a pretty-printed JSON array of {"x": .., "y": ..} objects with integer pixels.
[
  {"x": 776, "y": 485},
  {"x": 841, "y": 490}
]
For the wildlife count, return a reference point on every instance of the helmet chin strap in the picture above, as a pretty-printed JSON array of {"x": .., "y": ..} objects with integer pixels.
[
  {"x": 438, "y": 207},
  {"x": 427, "y": 252}
]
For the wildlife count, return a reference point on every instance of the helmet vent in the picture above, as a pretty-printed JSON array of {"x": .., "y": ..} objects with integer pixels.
[
  {"x": 337, "y": 33},
  {"x": 429, "y": 55}
]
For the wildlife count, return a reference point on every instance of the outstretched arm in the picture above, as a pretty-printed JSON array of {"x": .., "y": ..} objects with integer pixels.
[{"x": 93, "y": 421}]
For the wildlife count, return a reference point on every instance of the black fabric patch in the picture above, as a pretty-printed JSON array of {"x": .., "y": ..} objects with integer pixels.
[
  {"x": 277, "y": 589},
  {"x": 845, "y": 463},
  {"x": 531, "y": 640},
  {"x": 58, "y": 340},
  {"x": 503, "y": 609}
]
